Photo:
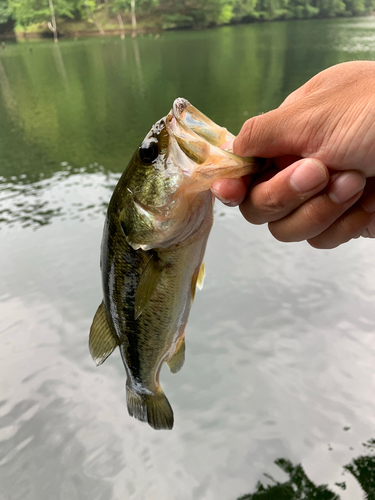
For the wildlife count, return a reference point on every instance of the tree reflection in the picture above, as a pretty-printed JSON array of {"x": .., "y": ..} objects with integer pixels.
[
  {"x": 299, "y": 486},
  {"x": 363, "y": 469}
]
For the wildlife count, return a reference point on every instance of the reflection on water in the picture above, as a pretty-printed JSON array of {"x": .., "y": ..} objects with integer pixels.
[
  {"x": 280, "y": 343},
  {"x": 69, "y": 193},
  {"x": 361, "y": 39},
  {"x": 60, "y": 63},
  {"x": 299, "y": 486}
]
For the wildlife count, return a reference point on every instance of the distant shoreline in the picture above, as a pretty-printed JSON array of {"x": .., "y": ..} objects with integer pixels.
[{"x": 44, "y": 33}]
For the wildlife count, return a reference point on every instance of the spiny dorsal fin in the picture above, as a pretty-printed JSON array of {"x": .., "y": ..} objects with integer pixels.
[
  {"x": 147, "y": 284},
  {"x": 101, "y": 341},
  {"x": 175, "y": 363}
]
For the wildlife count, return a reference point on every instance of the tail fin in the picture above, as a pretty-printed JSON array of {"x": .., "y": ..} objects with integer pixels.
[{"x": 151, "y": 408}]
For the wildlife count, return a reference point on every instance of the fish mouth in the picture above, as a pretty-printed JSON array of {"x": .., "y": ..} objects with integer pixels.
[
  {"x": 190, "y": 119},
  {"x": 193, "y": 134},
  {"x": 195, "y": 146},
  {"x": 179, "y": 105}
]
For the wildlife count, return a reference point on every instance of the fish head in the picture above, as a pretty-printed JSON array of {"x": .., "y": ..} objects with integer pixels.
[{"x": 165, "y": 189}]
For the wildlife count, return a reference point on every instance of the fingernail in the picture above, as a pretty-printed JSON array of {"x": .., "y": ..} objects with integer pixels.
[
  {"x": 345, "y": 186},
  {"x": 308, "y": 175},
  {"x": 228, "y": 146},
  {"x": 228, "y": 203}
]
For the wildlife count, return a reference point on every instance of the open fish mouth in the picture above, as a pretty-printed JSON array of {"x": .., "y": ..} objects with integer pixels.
[
  {"x": 195, "y": 142},
  {"x": 191, "y": 118},
  {"x": 185, "y": 122}
]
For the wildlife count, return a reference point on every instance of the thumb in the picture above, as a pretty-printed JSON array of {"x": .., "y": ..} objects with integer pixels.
[{"x": 279, "y": 132}]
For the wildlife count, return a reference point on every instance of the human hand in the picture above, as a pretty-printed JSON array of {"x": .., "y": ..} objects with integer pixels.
[{"x": 328, "y": 122}]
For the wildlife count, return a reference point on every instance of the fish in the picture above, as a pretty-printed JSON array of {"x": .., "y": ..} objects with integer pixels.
[{"x": 154, "y": 239}]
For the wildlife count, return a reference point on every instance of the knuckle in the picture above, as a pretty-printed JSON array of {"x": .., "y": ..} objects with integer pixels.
[
  {"x": 315, "y": 215},
  {"x": 249, "y": 128},
  {"x": 282, "y": 232},
  {"x": 263, "y": 205},
  {"x": 272, "y": 204},
  {"x": 246, "y": 136},
  {"x": 349, "y": 229},
  {"x": 353, "y": 224}
]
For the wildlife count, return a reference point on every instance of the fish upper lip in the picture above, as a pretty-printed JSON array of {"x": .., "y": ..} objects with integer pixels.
[
  {"x": 179, "y": 105},
  {"x": 175, "y": 123}
]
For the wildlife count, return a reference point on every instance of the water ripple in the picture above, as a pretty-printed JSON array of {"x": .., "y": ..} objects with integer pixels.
[{"x": 67, "y": 194}]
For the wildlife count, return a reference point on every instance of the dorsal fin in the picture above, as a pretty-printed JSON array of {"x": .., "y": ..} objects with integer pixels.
[
  {"x": 147, "y": 284},
  {"x": 101, "y": 341}
]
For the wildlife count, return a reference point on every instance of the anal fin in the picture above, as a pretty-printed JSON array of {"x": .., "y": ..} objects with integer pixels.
[
  {"x": 175, "y": 363},
  {"x": 101, "y": 341}
]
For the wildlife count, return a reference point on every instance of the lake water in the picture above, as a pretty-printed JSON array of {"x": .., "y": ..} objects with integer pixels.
[{"x": 280, "y": 356}]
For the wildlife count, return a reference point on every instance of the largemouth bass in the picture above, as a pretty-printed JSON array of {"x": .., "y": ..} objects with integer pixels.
[{"x": 155, "y": 235}]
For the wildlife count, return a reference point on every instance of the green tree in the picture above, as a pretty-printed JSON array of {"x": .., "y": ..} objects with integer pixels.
[
  {"x": 331, "y": 8},
  {"x": 196, "y": 13},
  {"x": 116, "y": 8},
  {"x": 4, "y": 11},
  {"x": 87, "y": 9},
  {"x": 356, "y": 7},
  {"x": 26, "y": 12},
  {"x": 370, "y": 5},
  {"x": 243, "y": 9}
]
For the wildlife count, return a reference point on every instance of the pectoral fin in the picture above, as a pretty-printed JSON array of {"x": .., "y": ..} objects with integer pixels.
[
  {"x": 176, "y": 362},
  {"x": 201, "y": 276},
  {"x": 198, "y": 279},
  {"x": 147, "y": 283},
  {"x": 101, "y": 341}
]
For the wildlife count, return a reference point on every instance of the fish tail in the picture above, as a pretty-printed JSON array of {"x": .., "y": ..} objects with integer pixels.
[{"x": 153, "y": 408}]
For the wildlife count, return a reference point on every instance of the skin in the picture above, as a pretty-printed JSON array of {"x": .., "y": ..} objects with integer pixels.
[{"x": 320, "y": 146}]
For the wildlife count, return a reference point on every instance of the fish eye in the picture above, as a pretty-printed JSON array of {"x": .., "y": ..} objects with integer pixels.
[{"x": 149, "y": 152}]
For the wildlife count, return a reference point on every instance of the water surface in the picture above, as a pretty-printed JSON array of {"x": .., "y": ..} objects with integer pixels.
[{"x": 280, "y": 343}]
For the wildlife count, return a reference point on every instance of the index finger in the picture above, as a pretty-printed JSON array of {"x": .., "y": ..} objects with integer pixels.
[{"x": 280, "y": 195}]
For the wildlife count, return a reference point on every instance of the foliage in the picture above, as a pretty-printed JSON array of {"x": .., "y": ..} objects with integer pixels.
[
  {"x": 183, "y": 13},
  {"x": 4, "y": 11},
  {"x": 26, "y": 12}
]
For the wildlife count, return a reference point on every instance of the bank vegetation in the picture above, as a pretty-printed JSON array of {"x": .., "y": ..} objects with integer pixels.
[{"x": 75, "y": 17}]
